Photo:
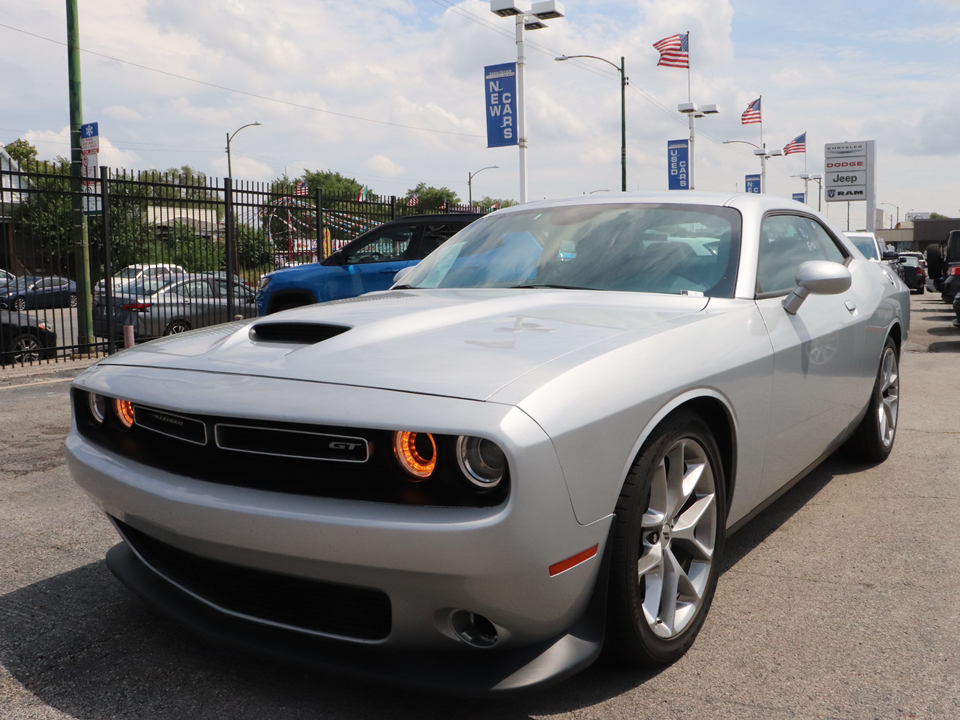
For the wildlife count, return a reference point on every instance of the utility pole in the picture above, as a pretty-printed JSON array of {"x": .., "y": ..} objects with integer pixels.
[{"x": 80, "y": 235}]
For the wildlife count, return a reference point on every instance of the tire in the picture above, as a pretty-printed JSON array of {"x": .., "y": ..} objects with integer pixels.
[
  {"x": 176, "y": 327},
  {"x": 667, "y": 548},
  {"x": 873, "y": 439},
  {"x": 19, "y": 304},
  {"x": 920, "y": 289},
  {"x": 73, "y": 300},
  {"x": 24, "y": 348}
]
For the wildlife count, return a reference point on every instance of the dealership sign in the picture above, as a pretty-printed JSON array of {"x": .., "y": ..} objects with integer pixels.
[
  {"x": 848, "y": 171},
  {"x": 752, "y": 183},
  {"x": 678, "y": 164}
]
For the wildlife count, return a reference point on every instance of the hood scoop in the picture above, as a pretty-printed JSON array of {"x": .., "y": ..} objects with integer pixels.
[{"x": 300, "y": 333}]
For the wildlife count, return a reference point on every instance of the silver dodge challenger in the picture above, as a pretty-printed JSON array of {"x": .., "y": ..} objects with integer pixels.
[{"x": 530, "y": 449}]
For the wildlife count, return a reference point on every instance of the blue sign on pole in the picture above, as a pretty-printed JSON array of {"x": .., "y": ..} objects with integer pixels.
[
  {"x": 678, "y": 164},
  {"x": 753, "y": 184},
  {"x": 500, "y": 87},
  {"x": 800, "y": 197}
]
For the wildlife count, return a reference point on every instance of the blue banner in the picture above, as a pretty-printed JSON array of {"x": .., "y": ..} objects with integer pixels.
[
  {"x": 753, "y": 184},
  {"x": 800, "y": 197},
  {"x": 678, "y": 164},
  {"x": 500, "y": 87}
]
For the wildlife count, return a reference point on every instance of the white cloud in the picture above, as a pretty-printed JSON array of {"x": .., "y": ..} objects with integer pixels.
[{"x": 382, "y": 165}]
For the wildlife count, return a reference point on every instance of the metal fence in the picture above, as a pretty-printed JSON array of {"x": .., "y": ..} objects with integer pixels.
[{"x": 221, "y": 236}]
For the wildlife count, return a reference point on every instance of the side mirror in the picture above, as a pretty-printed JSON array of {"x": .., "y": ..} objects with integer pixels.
[
  {"x": 398, "y": 278},
  {"x": 817, "y": 277},
  {"x": 891, "y": 255}
]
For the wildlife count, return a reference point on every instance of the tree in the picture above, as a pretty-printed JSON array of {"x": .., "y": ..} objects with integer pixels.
[
  {"x": 432, "y": 199},
  {"x": 489, "y": 203},
  {"x": 332, "y": 183},
  {"x": 938, "y": 216},
  {"x": 23, "y": 152}
]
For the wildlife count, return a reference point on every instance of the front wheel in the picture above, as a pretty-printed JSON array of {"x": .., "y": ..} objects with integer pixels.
[
  {"x": 668, "y": 540},
  {"x": 24, "y": 349},
  {"x": 176, "y": 327},
  {"x": 873, "y": 439},
  {"x": 72, "y": 300},
  {"x": 20, "y": 304}
]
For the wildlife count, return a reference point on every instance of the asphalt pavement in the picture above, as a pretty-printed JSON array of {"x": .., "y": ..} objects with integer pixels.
[{"x": 842, "y": 600}]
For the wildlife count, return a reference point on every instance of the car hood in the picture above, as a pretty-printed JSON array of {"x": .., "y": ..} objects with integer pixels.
[{"x": 457, "y": 343}]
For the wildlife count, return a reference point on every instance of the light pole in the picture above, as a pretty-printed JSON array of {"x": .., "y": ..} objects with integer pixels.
[
  {"x": 692, "y": 111},
  {"x": 229, "y": 138},
  {"x": 623, "y": 111},
  {"x": 764, "y": 155},
  {"x": 898, "y": 210},
  {"x": 526, "y": 20},
  {"x": 470, "y": 177}
]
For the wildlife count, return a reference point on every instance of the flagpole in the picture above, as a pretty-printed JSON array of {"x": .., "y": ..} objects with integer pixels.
[
  {"x": 689, "y": 94},
  {"x": 761, "y": 121}
]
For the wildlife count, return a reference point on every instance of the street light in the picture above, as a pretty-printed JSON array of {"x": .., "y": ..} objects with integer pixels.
[
  {"x": 229, "y": 138},
  {"x": 526, "y": 20},
  {"x": 470, "y": 177},
  {"x": 623, "y": 111},
  {"x": 898, "y": 210},
  {"x": 692, "y": 111},
  {"x": 764, "y": 155}
]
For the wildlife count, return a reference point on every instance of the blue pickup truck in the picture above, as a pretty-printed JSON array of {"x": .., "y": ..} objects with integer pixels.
[{"x": 365, "y": 265}]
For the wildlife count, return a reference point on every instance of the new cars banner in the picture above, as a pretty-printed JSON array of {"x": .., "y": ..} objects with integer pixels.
[{"x": 500, "y": 86}]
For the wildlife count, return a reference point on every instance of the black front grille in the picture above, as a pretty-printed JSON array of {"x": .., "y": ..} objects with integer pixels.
[
  {"x": 313, "y": 460},
  {"x": 321, "y": 607}
]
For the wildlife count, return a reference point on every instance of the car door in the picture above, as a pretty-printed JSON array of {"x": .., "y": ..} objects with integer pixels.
[
  {"x": 202, "y": 304},
  {"x": 243, "y": 300},
  {"x": 371, "y": 265},
  {"x": 817, "y": 352}
]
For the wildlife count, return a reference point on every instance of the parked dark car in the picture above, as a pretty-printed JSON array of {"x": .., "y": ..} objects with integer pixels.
[
  {"x": 31, "y": 291},
  {"x": 173, "y": 305},
  {"x": 365, "y": 265},
  {"x": 912, "y": 273},
  {"x": 951, "y": 271},
  {"x": 24, "y": 338}
]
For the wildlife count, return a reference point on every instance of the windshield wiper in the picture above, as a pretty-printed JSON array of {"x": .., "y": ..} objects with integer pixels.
[{"x": 539, "y": 286}]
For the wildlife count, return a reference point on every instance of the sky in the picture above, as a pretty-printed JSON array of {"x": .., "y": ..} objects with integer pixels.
[{"x": 390, "y": 92}]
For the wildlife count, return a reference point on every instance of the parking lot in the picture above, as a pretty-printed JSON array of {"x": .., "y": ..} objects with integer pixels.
[{"x": 842, "y": 600}]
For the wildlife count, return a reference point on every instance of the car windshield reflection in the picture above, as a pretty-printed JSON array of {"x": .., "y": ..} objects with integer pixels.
[{"x": 622, "y": 247}]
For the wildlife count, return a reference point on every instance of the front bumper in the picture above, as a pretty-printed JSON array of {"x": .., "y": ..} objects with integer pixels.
[{"x": 429, "y": 561}]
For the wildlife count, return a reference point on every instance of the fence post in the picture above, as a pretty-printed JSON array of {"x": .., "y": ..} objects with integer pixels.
[
  {"x": 107, "y": 259},
  {"x": 230, "y": 242},
  {"x": 393, "y": 207},
  {"x": 321, "y": 239}
]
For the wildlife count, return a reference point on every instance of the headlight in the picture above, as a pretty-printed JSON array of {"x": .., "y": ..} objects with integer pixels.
[
  {"x": 98, "y": 407},
  {"x": 481, "y": 461},
  {"x": 416, "y": 453},
  {"x": 124, "y": 411},
  {"x": 264, "y": 281}
]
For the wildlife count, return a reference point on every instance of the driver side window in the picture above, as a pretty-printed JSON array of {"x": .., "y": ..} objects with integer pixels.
[
  {"x": 386, "y": 246},
  {"x": 786, "y": 242}
]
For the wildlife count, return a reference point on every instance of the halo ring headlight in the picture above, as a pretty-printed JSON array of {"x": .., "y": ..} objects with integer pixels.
[
  {"x": 98, "y": 407},
  {"x": 416, "y": 453},
  {"x": 481, "y": 461},
  {"x": 124, "y": 413}
]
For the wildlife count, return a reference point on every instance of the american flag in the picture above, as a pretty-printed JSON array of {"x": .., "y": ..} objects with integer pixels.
[
  {"x": 414, "y": 200},
  {"x": 797, "y": 145},
  {"x": 674, "y": 51},
  {"x": 302, "y": 189},
  {"x": 751, "y": 114}
]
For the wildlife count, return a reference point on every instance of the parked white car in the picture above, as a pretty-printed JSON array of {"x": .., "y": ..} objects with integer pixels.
[{"x": 141, "y": 274}]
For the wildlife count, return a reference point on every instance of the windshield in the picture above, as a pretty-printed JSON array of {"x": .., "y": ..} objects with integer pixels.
[
  {"x": 128, "y": 273},
  {"x": 22, "y": 283},
  {"x": 866, "y": 245},
  {"x": 675, "y": 249}
]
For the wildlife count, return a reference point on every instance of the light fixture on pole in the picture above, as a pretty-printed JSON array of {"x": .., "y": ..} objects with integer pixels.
[
  {"x": 229, "y": 138},
  {"x": 531, "y": 19},
  {"x": 898, "y": 210},
  {"x": 470, "y": 177},
  {"x": 623, "y": 111},
  {"x": 764, "y": 155},
  {"x": 693, "y": 111}
]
